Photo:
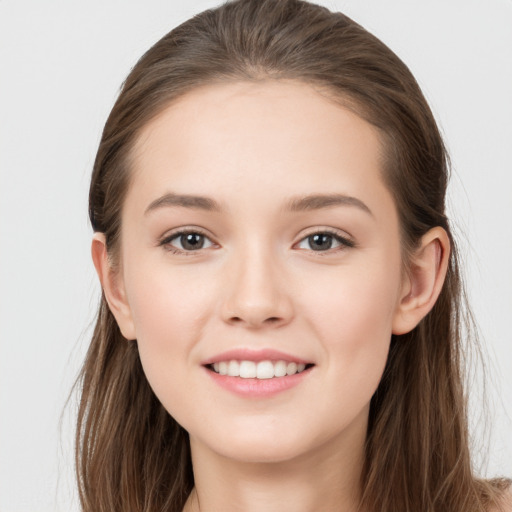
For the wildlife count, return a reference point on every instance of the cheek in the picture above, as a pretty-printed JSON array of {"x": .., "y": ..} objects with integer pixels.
[
  {"x": 353, "y": 319},
  {"x": 355, "y": 300},
  {"x": 169, "y": 311},
  {"x": 166, "y": 304}
]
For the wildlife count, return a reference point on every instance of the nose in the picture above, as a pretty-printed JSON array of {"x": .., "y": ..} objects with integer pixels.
[{"x": 257, "y": 294}]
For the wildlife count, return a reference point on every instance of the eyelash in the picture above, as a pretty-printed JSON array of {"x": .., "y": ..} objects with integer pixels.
[
  {"x": 166, "y": 241},
  {"x": 345, "y": 243}
]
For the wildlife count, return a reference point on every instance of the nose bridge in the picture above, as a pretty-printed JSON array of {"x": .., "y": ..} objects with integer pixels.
[{"x": 257, "y": 294}]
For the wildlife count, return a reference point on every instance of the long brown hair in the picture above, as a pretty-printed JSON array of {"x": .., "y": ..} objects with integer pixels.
[{"x": 131, "y": 455}]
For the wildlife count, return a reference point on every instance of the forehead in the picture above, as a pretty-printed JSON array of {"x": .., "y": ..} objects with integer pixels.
[{"x": 271, "y": 137}]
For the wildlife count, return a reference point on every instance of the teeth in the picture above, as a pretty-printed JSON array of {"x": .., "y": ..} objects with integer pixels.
[
  {"x": 223, "y": 368},
  {"x": 291, "y": 368},
  {"x": 233, "y": 368},
  {"x": 280, "y": 369},
  {"x": 261, "y": 370},
  {"x": 264, "y": 370},
  {"x": 247, "y": 369}
]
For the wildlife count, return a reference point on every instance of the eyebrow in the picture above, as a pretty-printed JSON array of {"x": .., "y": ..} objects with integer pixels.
[
  {"x": 184, "y": 201},
  {"x": 319, "y": 201},
  {"x": 296, "y": 204}
]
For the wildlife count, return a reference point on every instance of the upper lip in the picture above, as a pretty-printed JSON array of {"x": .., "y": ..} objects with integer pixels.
[{"x": 246, "y": 354}]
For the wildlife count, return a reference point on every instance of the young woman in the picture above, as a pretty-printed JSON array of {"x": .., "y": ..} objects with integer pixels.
[{"x": 281, "y": 321}]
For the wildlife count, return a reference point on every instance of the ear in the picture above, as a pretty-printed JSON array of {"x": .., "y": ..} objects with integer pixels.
[
  {"x": 423, "y": 281},
  {"x": 113, "y": 287}
]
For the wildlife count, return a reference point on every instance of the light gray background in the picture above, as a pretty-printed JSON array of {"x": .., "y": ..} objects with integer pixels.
[{"x": 61, "y": 64}]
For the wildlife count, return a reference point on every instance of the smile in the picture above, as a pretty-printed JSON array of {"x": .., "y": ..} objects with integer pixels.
[
  {"x": 257, "y": 370},
  {"x": 257, "y": 374}
]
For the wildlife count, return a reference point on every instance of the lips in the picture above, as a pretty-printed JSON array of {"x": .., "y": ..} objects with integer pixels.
[{"x": 243, "y": 354}]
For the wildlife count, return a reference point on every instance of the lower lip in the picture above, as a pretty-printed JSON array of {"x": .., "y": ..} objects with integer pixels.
[{"x": 258, "y": 388}]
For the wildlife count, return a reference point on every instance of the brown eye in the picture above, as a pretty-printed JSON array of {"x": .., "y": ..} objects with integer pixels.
[
  {"x": 191, "y": 241},
  {"x": 324, "y": 241},
  {"x": 320, "y": 241},
  {"x": 187, "y": 242}
]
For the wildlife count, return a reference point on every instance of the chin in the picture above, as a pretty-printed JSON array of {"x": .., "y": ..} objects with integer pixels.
[
  {"x": 255, "y": 445},
  {"x": 261, "y": 452}
]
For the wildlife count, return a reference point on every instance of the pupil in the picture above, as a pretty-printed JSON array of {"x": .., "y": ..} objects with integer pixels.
[
  {"x": 320, "y": 241},
  {"x": 192, "y": 241}
]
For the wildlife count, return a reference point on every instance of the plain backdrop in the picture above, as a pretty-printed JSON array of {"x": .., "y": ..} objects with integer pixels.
[{"x": 61, "y": 65}]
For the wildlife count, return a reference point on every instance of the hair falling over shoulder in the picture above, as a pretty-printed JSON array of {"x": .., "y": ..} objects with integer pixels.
[{"x": 131, "y": 455}]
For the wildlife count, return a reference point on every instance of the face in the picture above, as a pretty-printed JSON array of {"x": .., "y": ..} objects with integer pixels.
[{"x": 258, "y": 238}]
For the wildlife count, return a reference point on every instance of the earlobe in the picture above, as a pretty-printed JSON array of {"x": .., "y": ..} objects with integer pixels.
[
  {"x": 113, "y": 288},
  {"x": 424, "y": 280}
]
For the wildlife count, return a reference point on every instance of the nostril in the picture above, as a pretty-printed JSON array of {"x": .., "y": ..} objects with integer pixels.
[{"x": 271, "y": 320}]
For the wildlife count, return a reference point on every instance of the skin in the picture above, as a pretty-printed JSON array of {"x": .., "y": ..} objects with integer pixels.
[{"x": 257, "y": 283}]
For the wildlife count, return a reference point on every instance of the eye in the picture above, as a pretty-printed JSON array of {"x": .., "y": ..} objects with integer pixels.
[
  {"x": 324, "y": 241},
  {"x": 186, "y": 241}
]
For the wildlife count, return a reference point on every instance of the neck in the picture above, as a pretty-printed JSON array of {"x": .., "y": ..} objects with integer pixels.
[{"x": 325, "y": 479}]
